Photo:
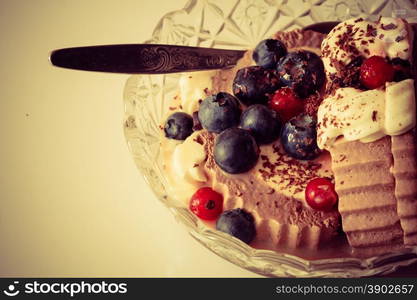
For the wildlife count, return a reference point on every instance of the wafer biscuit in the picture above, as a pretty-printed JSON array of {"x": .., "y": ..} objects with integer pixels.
[
  {"x": 366, "y": 190},
  {"x": 405, "y": 173}
]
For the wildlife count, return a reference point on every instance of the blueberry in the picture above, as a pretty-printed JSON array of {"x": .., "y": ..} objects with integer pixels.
[
  {"x": 238, "y": 223},
  {"x": 299, "y": 137},
  {"x": 219, "y": 112},
  {"x": 178, "y": 126},
  {"x": 268, "y": 52},
  {"x": 235, "y": 151},
  {"x": 262, "y": 122},
  {"x": 254, "y": 84},
  {"x": 303, "y": 71}
]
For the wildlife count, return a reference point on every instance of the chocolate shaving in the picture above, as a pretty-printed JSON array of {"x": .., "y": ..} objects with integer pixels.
[
  {"x": 342, "y": 157},
  {"x": 390, "y": 26},
  {"x": 399, "y": 38},
  {"x": 271, "y": 191},
  {"x": 370, "y": 31},
  {"x": 199, "y": 140},
  {"x": 347, "y": 76},
  {"x": 374, "y": 115},
  {"x": 196, "y": 122}
]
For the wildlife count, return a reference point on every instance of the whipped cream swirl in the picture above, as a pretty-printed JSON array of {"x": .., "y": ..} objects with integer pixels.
[
  {"x": 366, "y": 115},
  {"x": 188, "y": 160},
  {"x": 389, "y": 37},
  {"x": 194, "y": 87}
]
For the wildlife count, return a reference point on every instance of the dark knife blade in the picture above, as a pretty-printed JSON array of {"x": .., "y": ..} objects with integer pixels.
[{"x": 144, "y": 58}]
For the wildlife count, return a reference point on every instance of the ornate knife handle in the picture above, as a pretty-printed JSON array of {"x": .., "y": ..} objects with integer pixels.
[{"x": 144, "y": 58}]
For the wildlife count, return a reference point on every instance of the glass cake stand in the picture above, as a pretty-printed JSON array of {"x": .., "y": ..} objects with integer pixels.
[{"x": 241, "y": 24}]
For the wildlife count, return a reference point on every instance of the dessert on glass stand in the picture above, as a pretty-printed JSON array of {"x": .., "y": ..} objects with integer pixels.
[{"x": 306, "y": 146}]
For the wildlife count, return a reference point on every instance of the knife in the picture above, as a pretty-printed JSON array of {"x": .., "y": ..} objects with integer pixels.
[{"x": 144, "y": 58}]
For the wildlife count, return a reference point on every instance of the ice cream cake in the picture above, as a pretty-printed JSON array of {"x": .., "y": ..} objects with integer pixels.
[{"x": 301, "y": 147}]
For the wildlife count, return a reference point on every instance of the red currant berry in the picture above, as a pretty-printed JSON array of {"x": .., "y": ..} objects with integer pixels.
[
  {"x": 320, "y": 194},
  {"x": 206, "y": 203},
  {"x": 286, "y": 103},
  {"x": 375, "y": 71}
]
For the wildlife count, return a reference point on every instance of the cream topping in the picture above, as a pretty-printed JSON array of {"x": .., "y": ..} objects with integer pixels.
[
  {"x": 184, "y": 160},
  {"x": 184, "y": 166},
  {"x": 188, "y": 160},
  {"x": 390, "y": 37},
  {"x": 194, "y": 87},
  {"x": 366, "y": 115}
]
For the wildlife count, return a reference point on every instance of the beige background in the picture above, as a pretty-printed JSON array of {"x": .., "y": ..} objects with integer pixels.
[{"x": 72, "y": 201}]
